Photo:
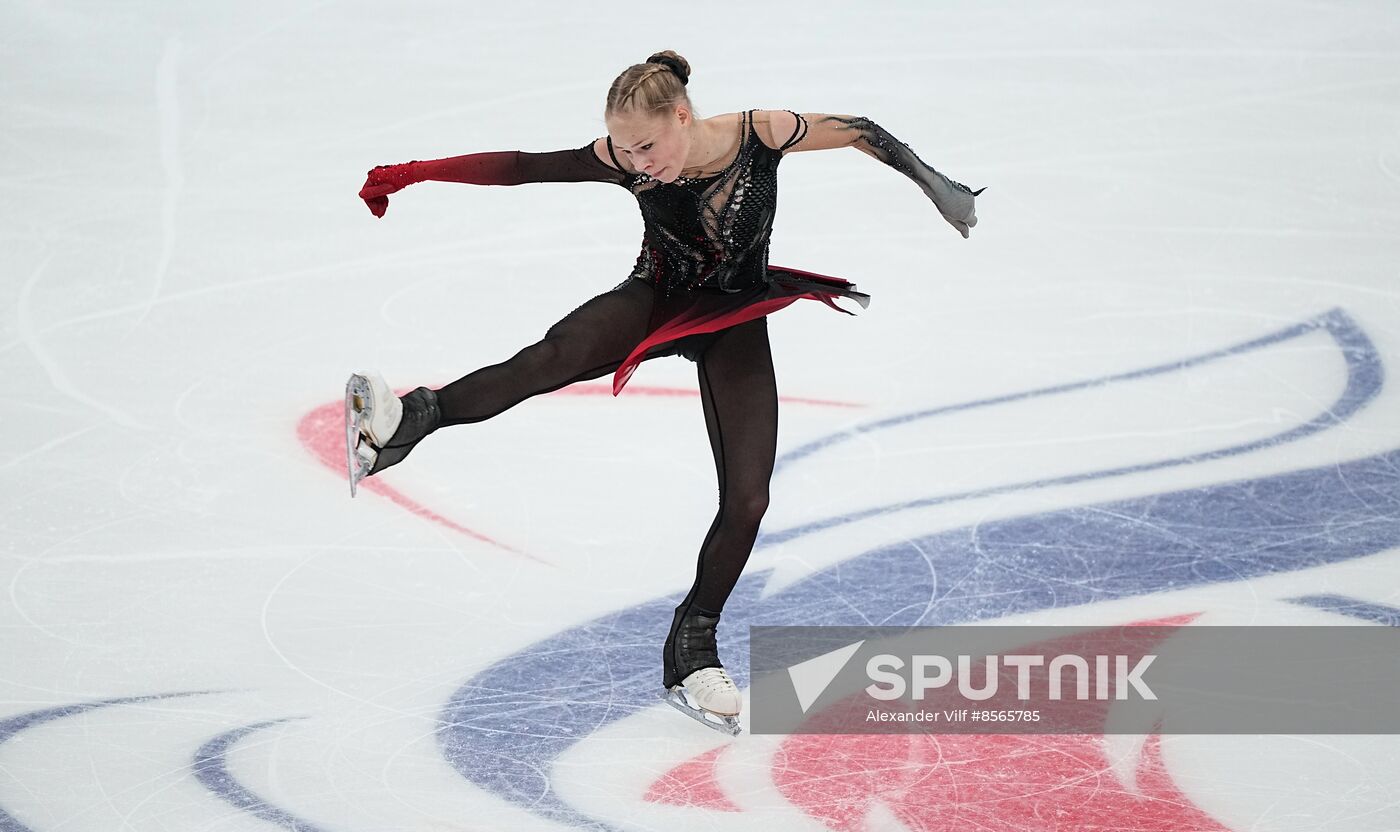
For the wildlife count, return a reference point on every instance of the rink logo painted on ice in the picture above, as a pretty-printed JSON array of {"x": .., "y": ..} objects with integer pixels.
[
  {"x": 1207, "y": 534},
  {"x": 1215, "y": 533}
]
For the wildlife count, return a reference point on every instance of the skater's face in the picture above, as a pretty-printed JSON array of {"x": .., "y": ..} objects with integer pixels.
[{"x": 656, "y": 145}]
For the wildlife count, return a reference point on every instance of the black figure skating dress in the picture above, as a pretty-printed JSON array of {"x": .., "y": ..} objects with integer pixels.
[{"x": 705, "y": 247}]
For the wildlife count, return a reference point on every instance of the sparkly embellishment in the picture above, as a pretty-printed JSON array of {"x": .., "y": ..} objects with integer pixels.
[
  {"x": 711, "y": 232},
  {"x": 955, "y": 200}
]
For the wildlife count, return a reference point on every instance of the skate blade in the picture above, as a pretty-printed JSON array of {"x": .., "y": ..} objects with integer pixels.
[
  {"x": 359, "y": 459},
  {"x": 676, "y": 698}
]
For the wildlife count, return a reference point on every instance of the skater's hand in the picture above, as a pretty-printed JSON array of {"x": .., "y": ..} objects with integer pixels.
[
  {"x": 962, "y": 204},
  {"x": 382, "y": 181},
  {"x": 964, "y": 226}
]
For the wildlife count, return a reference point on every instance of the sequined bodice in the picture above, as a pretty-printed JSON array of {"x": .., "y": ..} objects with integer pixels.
[{"x": 710, "y": 232}]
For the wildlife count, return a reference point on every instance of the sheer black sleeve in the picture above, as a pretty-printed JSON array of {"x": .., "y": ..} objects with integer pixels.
[{"x": 818, "y": 131}]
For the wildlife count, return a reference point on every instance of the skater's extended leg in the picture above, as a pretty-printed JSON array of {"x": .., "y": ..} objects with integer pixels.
[
  {"x": 590, "y": 342},
  {"x": 740, "y": 400}
]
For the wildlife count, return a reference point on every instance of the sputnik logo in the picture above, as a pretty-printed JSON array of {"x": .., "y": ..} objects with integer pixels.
[{"x": 812, "y": 677}]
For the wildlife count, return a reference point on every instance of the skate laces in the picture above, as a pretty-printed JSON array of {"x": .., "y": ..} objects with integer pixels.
[{"x": 711, "y": 680}]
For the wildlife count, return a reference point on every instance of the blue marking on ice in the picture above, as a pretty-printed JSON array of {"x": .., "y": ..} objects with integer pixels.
[
  {"x": 1356, "y": 608},
  {"x": 210, "y": 767},
  {"x": 1363, "y": 383}
]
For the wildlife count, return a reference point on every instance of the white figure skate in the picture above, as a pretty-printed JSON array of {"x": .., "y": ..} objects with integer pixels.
[
  {"x": 381, "y": 428},
  {"x": 694, "y": 681},
  {"x": 372, "y": 414},
  {"x": 709, "y": 696}
]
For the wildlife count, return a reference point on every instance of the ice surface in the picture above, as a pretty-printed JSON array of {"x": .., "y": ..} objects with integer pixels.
[{"x": 1153, "y": 382}]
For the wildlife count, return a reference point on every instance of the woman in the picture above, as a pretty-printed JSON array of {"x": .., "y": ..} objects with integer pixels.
[{"x": 700, "y": 288}]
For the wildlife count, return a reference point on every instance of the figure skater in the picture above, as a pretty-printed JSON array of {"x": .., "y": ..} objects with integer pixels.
[{"x": 701, "y": 288}]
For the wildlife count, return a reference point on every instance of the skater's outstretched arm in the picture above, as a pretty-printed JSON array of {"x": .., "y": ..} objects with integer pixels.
[
  {"x": 506, "y": 167},
  {"x": 824, "y": 131}
]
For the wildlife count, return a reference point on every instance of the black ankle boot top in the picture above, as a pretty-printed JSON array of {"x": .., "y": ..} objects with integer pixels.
[{"x": 691, "y": 645}]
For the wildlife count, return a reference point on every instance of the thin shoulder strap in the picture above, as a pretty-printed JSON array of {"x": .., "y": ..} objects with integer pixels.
[
  {"x": 800, "y": 128},
  {"x": 614, "y": 156},
  {"x": 750, "y": 134}
]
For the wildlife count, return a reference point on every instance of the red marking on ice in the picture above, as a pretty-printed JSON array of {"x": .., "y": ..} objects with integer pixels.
[
  {"x": 987, "y": 782},
  {"x": 680, "y": 392},
  {"x": 1170, "y": 621},
  {"x": 322, "y": 433},
  {"x": 692, "y": 783}
]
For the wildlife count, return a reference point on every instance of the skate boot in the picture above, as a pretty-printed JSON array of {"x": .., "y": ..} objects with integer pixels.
[
  {"x": 695, "y": 681},
  {"x": 381, "y": 428}
]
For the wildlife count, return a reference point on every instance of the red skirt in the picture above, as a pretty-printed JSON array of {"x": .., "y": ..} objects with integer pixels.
[{"x": 694, "y": 313}]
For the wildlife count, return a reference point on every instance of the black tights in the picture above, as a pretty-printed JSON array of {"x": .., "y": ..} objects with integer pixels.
[{"x": 737, "y": 391}]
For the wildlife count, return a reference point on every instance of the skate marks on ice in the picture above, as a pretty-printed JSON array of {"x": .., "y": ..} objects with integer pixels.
[
  {"x": 1318, "y": 374},
  {"x": 1217, "y": 533},
  {"x": 12, "y": 726},
  {"x": 1382, "y": 614},
  {"x": 321, "y": 433},
  {"x": 1362, "y": 382}
]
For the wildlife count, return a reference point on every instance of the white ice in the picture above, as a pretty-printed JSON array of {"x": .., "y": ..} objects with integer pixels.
[{"x": 186, "y": 274}]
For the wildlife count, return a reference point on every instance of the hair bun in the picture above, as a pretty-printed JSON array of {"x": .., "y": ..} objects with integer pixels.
[{"x": 675, "y": 64}]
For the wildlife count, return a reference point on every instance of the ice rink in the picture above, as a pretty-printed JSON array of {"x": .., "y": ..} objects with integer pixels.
[{"x": 1156, "y": 381}]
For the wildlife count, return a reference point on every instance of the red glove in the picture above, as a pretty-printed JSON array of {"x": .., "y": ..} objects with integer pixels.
[
  {"x": 494, "y": 168},
  {"x": 382, "y": 181}
]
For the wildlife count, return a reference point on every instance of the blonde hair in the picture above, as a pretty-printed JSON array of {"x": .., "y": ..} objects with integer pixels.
[{"x": 650, "y": 87}]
